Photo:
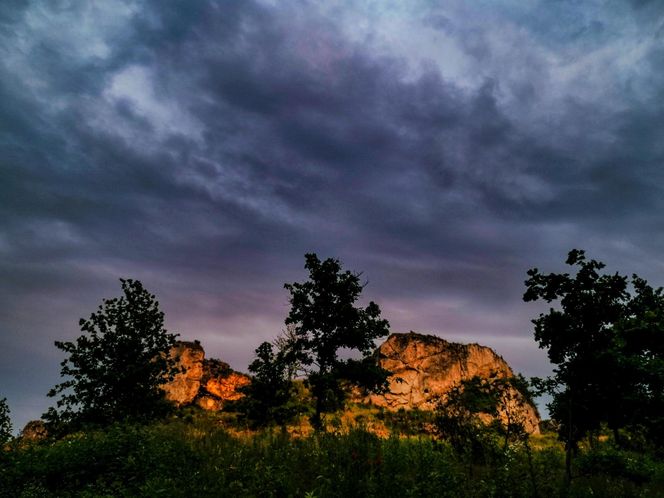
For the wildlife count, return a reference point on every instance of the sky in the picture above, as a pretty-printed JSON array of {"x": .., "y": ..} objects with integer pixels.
[{"x": 203, "y": 147}]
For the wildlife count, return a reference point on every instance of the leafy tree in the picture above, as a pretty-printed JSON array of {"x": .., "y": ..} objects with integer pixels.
[
  {"x": 271, "y": 397},
  {"x": 325, "y": 320},
  {"x": 5, "y": 423},
  {"x": 458, "y": 417},
  {"x": 474, "y": 412},
  {"x": 607, "y": 348},
  {"x": 116, "y": 367},
  {"x": 638, "y": 372},
  {"x": 464, "y": 412}
]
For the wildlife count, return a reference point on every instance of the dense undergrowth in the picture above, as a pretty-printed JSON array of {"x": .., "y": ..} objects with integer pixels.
[{"x": 202, "y": 455}]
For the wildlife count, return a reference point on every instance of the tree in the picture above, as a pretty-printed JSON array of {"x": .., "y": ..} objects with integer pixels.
[
  {"x": 271, "y": 397},
  {"x": 638, "y": 371},
  {"x": 606, "y": 346},
  {"x": 116, "y": 367},
  {"x": 458, "y": 416},
  {"x": 325, "y": 319},
  {"x": 476, "y": 410},
  {"x": 5, "y": 423},
  {"x": 463, "y": 413}
]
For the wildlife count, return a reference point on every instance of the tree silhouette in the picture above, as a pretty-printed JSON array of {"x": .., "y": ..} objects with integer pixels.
[
  {"x": 271, "y": 397},
  {"x": 461, "y": 414},
  {"x": 116, "y": 367},
  {"x": 324, "y": 320},
  {"x": 638, "y": 369},
  {"x": 607, "y": 348}
]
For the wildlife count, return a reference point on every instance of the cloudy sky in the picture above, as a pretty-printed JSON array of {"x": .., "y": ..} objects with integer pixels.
[{"x": 442, "y": 148}]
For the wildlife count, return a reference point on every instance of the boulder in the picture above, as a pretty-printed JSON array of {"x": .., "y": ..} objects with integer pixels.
[{"x": 425, "y": 367}]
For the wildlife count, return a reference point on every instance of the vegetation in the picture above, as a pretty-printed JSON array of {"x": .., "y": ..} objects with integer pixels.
[
  {"x": 115, "y": 368},
  {"x": 462, "y": 415},
  {"x": 197, "y": 456},
  {"x": 5, "y": 422},
  {"x": 608, "y": 348},
  {"x": 324, "y": 319},
  {"x": 271, "y": 397}
]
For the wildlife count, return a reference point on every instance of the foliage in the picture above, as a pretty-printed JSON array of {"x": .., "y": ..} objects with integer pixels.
[
  {"x": 639, "y": 373},
  {"x": 324, "y": 320},
  {"x": 5, "y": 423},
  {"x": 271, "y": 396},
  {"x": 197, "y": 457},
  {"x": 116, "y": 367},
  {"x": 475, "y": 410},
  {"x": 607, "y": 346}
]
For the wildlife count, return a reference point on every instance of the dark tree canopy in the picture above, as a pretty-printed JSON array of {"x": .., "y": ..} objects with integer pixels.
[
  {"x": 639, "y": 370},
  {"x": 324, "y": 320},
  {"x": 606, "y": 344},
  {"x": 114, "y": 370},
  {"x": 271, "y": 397},
  {"x": 460, "y": 412},
  {"x": 578, "y": 337}
]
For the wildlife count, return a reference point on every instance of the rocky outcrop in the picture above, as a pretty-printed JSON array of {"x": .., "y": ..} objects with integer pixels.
[
  {"x": 424, "y": 367},
  {"x": 183, "y": 389},
  {"x": 220, "y": 385},
  {"x": 209, "y": 383},
  {"x": 35, "y": 430}
]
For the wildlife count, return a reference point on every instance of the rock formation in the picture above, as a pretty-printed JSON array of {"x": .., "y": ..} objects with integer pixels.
[
  {"x": 35, "y": 430},
  {"x": 220, "y": 384},
  {"x": 426, "y": 366},
  {"x": 183, "y": 389},
  {"x": 423, "y": 367},
  {"x": 209, "y": 383}
]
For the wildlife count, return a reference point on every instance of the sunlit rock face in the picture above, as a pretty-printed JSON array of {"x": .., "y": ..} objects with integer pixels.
[
  {"x": 35, "y": 430},
  {"x": 424, "y": 367},
  {"x": 220, "y": 385},
  {"x": 183, "y": 389},
  {"x": 209, "y": 383}
]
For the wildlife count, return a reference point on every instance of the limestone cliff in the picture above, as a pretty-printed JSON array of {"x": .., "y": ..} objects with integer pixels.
[
  {"x": 426, "y": 366},
  {"x": 208, "y": 383}
]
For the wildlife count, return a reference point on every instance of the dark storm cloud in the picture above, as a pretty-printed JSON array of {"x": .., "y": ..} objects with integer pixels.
[{"x": 204, "y": 148}]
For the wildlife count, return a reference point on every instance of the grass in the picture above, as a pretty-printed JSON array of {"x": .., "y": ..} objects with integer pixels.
[{"x": 203, "y": 454}]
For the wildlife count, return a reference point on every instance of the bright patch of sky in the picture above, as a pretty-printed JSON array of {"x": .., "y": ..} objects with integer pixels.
[{"x": 134, "y": 84}]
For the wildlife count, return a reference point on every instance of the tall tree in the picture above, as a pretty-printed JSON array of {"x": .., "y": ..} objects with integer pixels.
[
  {"x": 324, "y": 320},
  {"x": 271, "y": 397},
  {"x": 116, "y": 367},
  {"x": 606, "y": 345},
  {"x": 639, "y": 371}
]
